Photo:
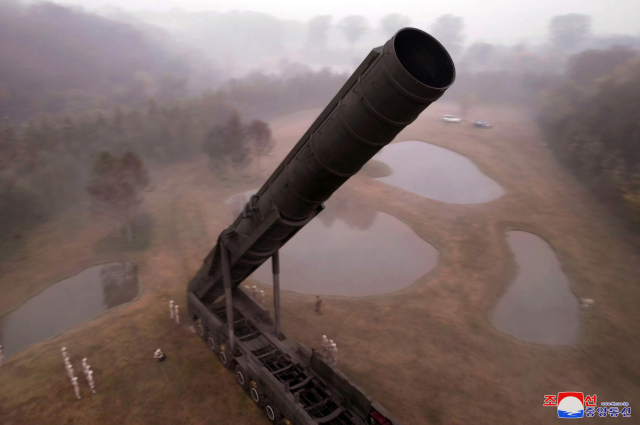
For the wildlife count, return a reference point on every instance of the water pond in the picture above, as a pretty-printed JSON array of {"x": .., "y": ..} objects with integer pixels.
[
  {"x": 538, "y": 306},
  {"x": 349, "y": 249},
  {"x": 437, "y": 173},
  {"x": 68, "y": 303}
]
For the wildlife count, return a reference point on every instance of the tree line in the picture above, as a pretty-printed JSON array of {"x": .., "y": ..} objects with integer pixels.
[
  {"x": 52, "y": 162},
  {"x": 267, "y": 96},
  {"x": 232, "y": 145},
  {"x": 591, "y": 123}
]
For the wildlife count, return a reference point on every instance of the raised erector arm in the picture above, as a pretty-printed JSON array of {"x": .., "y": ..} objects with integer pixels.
[{"x": 388, "y": 91}]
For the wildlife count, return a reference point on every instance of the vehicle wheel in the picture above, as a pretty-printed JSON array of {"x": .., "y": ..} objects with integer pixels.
[
  {"x": 242, "y": 378},
  {"x": 226, "y": 361},
  {"x": 272, "y": 412},
  {"x": 200, "y": 329},
  {"x": 222, "y": 356},
  {"x": 211, "y": 342},
  {"x": 257, "y": 396}
]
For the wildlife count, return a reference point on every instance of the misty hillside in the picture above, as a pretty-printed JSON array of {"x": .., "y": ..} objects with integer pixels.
[
  {"x": 242, "y": 42},
  {"x": 53, "y": 58}
]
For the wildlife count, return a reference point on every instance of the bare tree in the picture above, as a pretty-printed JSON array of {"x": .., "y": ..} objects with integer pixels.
[
  {"x": 354, "y": 27},
  {"x": 447, "y": 29},
  {"x": 391, "y": 23},
  {"x": 318, "y": 31},
  {"x": 237, "y": 139},
  {"x": 116, "y": 186},
  {"x": 227, "y": 145},
  {"x": 569, "y": 32},
  {"x": 260, "y": 139},
  {"x": 215, "y": 147}
]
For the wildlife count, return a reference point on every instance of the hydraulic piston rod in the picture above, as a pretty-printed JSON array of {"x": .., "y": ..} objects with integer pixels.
[{"x": 275, "y": 259}]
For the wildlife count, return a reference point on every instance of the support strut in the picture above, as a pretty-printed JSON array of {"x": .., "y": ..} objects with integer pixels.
[
  {"x": 226, "y": 277},
  {"x": 275, "y": 262}
]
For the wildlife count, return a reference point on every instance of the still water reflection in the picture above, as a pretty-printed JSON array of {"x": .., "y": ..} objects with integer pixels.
[
  {"x": 68, "y": 303},
  {"x": 437, "y": 173},
  {"x": 538, "y": 306},
  {"x": 349, "y": 249}
]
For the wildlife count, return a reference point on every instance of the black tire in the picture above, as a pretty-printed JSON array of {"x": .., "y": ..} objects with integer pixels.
[
  {"x": 257, "y": 396},
  {"x": 212, "y": 343},
  {"x": 224, "y": 359},
  {"x": 201, "y": 330},
  {"x": 273, "y": 414},
  {"x": 242, "y": 378}
]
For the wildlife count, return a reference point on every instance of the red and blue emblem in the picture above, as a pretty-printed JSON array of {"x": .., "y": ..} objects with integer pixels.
[{"x": 570, "y": 405}]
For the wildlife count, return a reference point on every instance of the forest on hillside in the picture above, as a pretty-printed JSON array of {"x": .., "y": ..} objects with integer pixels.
[{"x": 56, "y": 58}]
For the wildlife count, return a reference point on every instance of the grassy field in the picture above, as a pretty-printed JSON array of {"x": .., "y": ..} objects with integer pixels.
[{"x": 428, "y": 353}]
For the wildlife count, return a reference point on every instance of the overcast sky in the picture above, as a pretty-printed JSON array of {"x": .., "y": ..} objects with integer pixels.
[{"x": 501, "y": 21}]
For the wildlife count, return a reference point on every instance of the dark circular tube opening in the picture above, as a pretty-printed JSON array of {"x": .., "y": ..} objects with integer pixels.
[{"x": 424, "y": 58}]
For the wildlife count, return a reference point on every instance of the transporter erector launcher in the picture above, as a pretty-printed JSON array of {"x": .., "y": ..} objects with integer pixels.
[{"x": 292, "y": 384}]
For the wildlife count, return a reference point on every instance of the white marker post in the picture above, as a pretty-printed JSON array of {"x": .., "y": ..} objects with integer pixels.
[
  {"x": 171, "y": 314},
  {"x": 177, "y": 315}
]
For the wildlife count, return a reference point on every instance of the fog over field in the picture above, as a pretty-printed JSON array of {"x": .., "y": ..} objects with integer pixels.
[
  {"x": 205, "y": 44},
  {"x": 280, "y": 26},
  {"x": 127, "y": 126},
  {"x": 496, "y": 21}
]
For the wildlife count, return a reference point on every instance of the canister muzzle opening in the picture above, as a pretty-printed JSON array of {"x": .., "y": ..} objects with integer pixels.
[{"x": 424, "y": 58}]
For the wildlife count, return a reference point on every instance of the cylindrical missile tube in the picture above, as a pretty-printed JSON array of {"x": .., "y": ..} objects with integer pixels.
[{"x": 411, "y": 71}]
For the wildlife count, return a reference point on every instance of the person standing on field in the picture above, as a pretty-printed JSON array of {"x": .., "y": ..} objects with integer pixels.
[
  {"x": 325, "y": 345},
  {"x": 318, "y": 304}
]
